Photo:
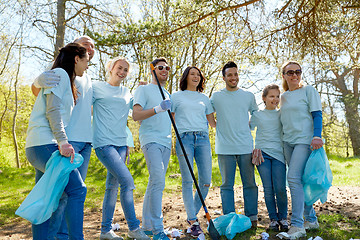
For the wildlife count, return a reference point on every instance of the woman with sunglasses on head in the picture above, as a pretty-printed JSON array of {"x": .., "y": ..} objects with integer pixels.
[
  {"x": 46, "y": 134},
  {"x": 111, "y": 104},
  {"x": 193, "y": 112},
  {"x": 301, "y": 117}
]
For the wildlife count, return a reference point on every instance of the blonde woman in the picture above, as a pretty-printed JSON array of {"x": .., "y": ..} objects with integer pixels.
[{"x": 111, "y": 104}]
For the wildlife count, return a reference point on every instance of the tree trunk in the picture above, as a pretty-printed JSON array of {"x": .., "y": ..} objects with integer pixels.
[
  {"x": 16, "y": 110},
  {"x": 353, "y": 119},
  {"x": 60, "y": 26}
]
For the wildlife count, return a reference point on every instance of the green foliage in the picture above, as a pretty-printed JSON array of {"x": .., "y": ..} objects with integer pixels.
[
  {"x": 25, "y": 102},
  {"x": 345, "y": 170}
]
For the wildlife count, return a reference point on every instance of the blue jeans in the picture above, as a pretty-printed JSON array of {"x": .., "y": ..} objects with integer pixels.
[
  {"x": 273, "y": 177},
  {"x": 157, "y": 159},
  {"x": 75, "y": 191},
  {"x": 197, "y": 145},
  {"x": 227, "y": 165},
  {"x": 113, "y": 158},
  {"x": 296, "y": 156},
  {"x": 83, "y": 148}
]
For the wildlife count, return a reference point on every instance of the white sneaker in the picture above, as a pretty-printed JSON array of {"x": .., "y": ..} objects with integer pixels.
[
  {"x": 311, "y": 225},
  {"x": 296, "y": 232},
  {"x": 110, "y": 236},
  {"x": 138, "y": 234}
]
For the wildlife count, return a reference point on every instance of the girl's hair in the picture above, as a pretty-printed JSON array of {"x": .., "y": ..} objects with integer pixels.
[
  {"x": 284, "y": 83},
  {"x": 183, "y": 80},
  {"x": 266, "y": 89},
  {"x": 111, "y": 63},
  {"x": 66, "y": 61}
]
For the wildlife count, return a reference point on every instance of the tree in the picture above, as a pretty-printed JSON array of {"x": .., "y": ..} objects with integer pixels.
[{"x": 324, "y": 33}]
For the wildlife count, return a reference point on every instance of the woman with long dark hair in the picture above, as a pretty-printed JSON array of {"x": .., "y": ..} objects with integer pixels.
[
  {"x": 193, "y": 112},
  {"x": 46, "y": 134}
]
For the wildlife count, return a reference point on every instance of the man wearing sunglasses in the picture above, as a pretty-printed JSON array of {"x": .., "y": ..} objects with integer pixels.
[
  {"x": 155, "y": 141},
  {"x": 234, "y": 143}
]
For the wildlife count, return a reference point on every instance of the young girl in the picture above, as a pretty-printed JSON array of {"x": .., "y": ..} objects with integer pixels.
[
  {"x": 111, "y": 104},
  {"x": 193, "y": 112},
  {"x": 271, "y": 167}
]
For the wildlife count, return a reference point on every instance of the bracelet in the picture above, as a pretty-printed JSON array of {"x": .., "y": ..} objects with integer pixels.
[{"x": 316, "y": 137}]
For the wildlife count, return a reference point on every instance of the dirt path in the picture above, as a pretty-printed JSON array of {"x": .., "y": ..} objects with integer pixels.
[{"x": 342, "y": 200}]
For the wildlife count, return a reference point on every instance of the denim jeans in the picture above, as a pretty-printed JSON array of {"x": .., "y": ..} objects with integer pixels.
[
  {"x": 113, "y": 158},
  {"x": 296, "y": 156},
  {"x": 273, "y": 177},
  {"x": 197, "y": 145},
  {"x": 83, "y": 148},
  {"x": 227, "y": 165},
  {"x": 75, "y": 191},
  {"x": 157, "y": 159}
]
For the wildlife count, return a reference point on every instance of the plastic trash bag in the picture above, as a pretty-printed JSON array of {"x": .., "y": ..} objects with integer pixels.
[
  {"x": 231, "y": 224},
  {"x": 317, "y": 177},
  {"x": 44, "y": 198}
]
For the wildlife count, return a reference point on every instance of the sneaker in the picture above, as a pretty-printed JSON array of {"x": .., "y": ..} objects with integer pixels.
[
  {"x": 274, "y": 225},
  {"x": 296, "y": 232},
  {"x": 284, "y": 225},
  {"x": 148, "y": 232},
  {"x": 311, "y": 225},
  {"x": 138, "y": 234},
  {"x": 110, "y": 236},
  {"x": 195, "y": 230},
  {"x": 254, "y": 224},
  {"x": 160, "y": 236}
]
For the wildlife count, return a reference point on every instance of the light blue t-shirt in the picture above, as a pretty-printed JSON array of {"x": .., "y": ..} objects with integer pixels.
[
  {"x": 268, "y": 132},
  {"x": 39, "y": 131},
  {"x": 191, "y": 108},
  {"x": 111, "y": 105},
  {"x": 155, "y": 129},
  {"x": 296, "y": 118},
  {"x": 233, "y": 135},
  {"x": 79, "y": 127}
]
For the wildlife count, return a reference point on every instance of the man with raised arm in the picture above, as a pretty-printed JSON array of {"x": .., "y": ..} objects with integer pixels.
[{"x": 155, "y": 140}]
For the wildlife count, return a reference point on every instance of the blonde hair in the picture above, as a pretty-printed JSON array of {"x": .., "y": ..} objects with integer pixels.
[
  {"x": 111, "y": 63},
  {"x": 284, "y": 83}
]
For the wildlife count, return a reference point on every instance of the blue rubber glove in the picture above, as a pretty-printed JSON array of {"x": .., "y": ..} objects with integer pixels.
[{"x": 163, "y": 106}]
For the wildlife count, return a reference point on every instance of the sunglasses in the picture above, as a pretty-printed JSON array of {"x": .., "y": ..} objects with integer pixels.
[
  {"x": 160, "y": 67},
  {"x": 291, "y": 72}
]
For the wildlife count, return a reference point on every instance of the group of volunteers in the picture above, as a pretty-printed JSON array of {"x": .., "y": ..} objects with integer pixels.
[{"x": 62, "y": 120}]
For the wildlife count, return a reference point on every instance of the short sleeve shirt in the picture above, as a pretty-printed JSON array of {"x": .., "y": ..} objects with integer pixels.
[
  {"x": 268, "y": 132},
  {"x": 79, "y": 127},
  {"x": 39, "y": 131},
  {"x": 155, "y": 129},
  {"x": 233, "y": 135},
  {"x": 191, "y": 108},
  {"x": 111, "y": 105},
  {"x": 296, "y": 118}
]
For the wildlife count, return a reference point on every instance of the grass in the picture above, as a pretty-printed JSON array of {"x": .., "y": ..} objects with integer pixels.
[{"x": 17, "y": 183}]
